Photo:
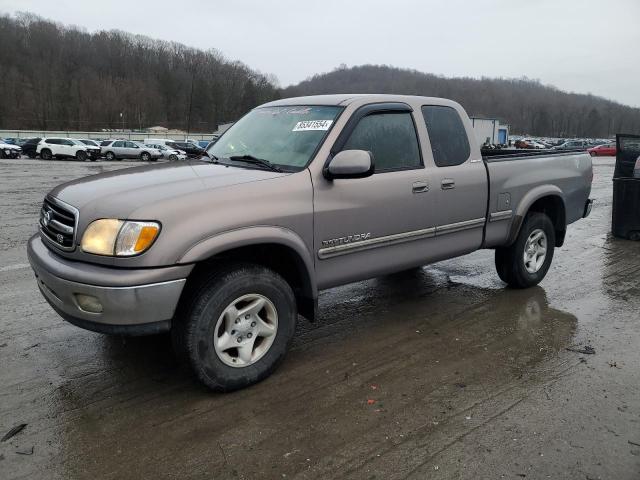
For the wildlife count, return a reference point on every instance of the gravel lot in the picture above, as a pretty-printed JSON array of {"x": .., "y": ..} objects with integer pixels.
[{"x": 435, "y": 373}]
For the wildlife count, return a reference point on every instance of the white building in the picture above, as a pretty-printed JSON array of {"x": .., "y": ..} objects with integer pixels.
[{"x": 490, "y": 130}]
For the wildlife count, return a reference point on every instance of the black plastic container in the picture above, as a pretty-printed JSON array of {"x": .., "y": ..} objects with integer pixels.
[{"x": 625, "y": 221}]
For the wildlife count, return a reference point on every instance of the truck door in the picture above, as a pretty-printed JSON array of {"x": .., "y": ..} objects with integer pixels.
[
  {"x": 364, "y": 227},
  {"x": 459, "y": 179}
]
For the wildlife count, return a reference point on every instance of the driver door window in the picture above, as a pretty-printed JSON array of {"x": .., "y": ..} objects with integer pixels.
[{"x": 391, "y": 138}]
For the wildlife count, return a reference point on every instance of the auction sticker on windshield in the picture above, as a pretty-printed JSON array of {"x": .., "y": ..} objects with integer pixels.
[{"x": 312, "y": 125}]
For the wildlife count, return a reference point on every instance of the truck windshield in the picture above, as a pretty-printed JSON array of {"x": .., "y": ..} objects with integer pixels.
[{"x": 285, "y": 136}]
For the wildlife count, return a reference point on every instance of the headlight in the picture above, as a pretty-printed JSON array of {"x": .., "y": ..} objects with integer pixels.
[{"x": 120, "y": 238}]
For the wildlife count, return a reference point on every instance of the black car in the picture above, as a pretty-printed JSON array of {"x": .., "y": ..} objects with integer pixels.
[
  {"x": 29, "y": 147},
  {"x": 189, "y": 148}
]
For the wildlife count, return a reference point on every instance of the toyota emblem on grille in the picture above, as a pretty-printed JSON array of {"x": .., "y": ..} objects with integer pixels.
[
  {"x": 60, "y": 238},
  {"x": 46, "y": 218}
]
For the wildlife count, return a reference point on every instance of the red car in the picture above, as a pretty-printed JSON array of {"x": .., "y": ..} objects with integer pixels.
[{"x": 606, "y": 150}]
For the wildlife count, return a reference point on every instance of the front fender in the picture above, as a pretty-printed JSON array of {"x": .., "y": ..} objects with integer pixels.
[{"x": 255, "y": 235}]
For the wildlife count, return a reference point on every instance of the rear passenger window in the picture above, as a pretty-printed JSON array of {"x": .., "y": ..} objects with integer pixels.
[
  {"x": 449, "y": 142},
  {"x": 390, "y": 137}
]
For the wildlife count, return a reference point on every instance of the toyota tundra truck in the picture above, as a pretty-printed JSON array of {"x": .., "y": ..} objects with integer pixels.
[{"x": 299, "y": 195}]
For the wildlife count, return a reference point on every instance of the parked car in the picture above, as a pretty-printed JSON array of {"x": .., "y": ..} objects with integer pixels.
[
  {"x": 573, "y": 145},
  {"x": 89, "y": 142},
  {"x": 168, "y": 153},
  {"x": 605, "y": 150},
  {"x": 15, "y": 141},
  {"x": 316, "y": 194},
  {"x": 50, "y": 147},
  {"x": 119, "y": 149},
  {"x": 8, "y": 150},
  {"x": 158, "y": 141},
  {"x": 535, "y": 144},
  {"x": 523, "y": 144},
  {"x": 192, "y": 150},
  {"x": 29, "y": 147},
  {"x": 92, "y": 150}
]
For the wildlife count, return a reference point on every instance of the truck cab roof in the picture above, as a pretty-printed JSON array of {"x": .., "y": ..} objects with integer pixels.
[{"x": 344, "y": 99}]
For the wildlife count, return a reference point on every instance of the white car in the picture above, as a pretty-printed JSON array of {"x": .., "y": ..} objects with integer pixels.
[
  {"x": 535, "y": 144},
  {"x": 168, "y": 153},
  {"x": 49, "y": 148},
  {"x": 8, "y": 150}
]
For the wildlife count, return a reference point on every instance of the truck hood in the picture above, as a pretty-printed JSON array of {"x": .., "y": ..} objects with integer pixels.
[{"x": 120, "y": 192}]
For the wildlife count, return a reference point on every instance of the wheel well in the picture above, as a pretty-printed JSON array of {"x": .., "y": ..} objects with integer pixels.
[
  {"x": 279, "y": 258},
  {"x": 553, "y": 207}
]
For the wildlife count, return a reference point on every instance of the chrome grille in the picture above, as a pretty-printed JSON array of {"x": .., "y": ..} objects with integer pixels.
[{"x": 58, "y": 223}]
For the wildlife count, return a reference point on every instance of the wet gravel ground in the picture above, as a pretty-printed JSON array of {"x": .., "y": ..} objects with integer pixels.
[{"x": 440, "y": 372}]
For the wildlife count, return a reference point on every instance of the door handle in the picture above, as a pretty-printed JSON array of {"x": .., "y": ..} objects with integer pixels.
[
  {"x": 448, "y": 184},
  {"x": 420, "y": 187}
]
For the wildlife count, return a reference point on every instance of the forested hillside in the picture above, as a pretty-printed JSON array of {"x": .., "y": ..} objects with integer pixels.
[
  {"x": 57, "y": 77},
  {"x": 527, "y": 105}
]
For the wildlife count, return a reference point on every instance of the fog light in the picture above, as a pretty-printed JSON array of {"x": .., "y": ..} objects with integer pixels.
[{"x": 88, "y": 303}]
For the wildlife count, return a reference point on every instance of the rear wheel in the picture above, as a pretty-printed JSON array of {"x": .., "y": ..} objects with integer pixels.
[
  {"x": 236, "y": 326},
  {"x": 81, "y": 155},
  {"x": 31, "y": 155},
  {"x": 526, "y": 262},
  {"x": 45, "y": 154}
]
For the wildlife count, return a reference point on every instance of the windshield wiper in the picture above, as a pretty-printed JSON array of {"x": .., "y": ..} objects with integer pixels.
[
  {"x": 256, "y": 161},
  {"x": 209, "y": 156}
]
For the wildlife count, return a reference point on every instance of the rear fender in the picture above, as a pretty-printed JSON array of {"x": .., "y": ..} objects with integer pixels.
[{"x": 525, "y": 204}]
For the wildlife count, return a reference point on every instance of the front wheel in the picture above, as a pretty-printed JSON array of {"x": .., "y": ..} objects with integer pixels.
[
  {"x": 235, "y": 327},
  {"x": 110, "y": 156},
  {"x": 81, "y": 155},
  {"x": 173, "y": 158},
  {"x": 526, "y": 262}
]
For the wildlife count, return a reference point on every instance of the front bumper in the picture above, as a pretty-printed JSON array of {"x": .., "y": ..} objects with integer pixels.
[
  {"x": 12, "y": 152},
  {"x": 133, "y": 301}
]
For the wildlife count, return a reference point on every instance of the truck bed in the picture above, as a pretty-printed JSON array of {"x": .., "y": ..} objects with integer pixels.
[{"x": 516, "y": 179}]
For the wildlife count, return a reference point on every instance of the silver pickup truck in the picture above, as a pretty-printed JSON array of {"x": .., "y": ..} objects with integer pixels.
[{"x": 300, "y": 195}]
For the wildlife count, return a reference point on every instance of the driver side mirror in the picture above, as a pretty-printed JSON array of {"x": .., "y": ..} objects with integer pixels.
[{"x": 350, "y": 164}]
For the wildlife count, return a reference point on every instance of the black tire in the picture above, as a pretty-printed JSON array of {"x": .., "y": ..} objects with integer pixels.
[
  {"x": 173, "y": 158},
  {"x": 110, "y": 156},
  {"x": 2, "y": 155},
  {"x": 31, "y": 155},
  {"x": 145, "y": 157},
  {"x": 193, "y": 332},
  {"x": 81, "y": 155},
  {"x": 45, "y": 154},
  {"x": 510, "y": 263}
]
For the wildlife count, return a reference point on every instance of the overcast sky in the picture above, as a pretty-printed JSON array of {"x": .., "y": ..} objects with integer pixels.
[{"x": 585, "y": 46}]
